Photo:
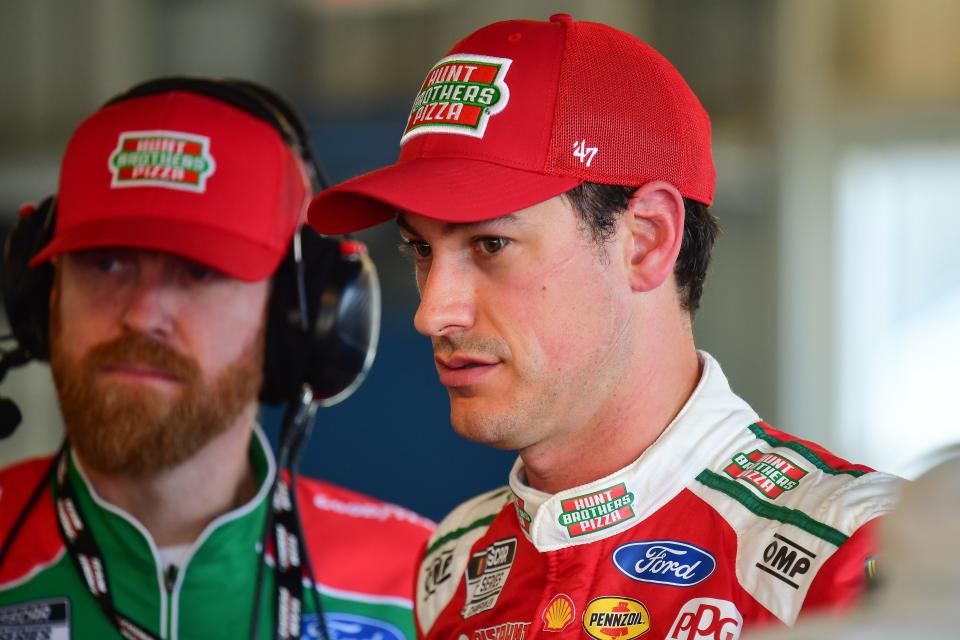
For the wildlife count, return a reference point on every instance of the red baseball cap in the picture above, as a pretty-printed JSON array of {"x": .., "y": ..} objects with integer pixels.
[
  {"x": 521, "y": 111},
  {"x": 183, "y": 173}
]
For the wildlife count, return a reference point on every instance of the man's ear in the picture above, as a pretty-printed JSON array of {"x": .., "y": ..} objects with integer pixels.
[{"x": 654, "y": 219}]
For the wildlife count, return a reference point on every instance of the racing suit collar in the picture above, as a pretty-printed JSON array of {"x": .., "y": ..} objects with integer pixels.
[
  {"x": 623, "y": 499},
  {"x": 118, "y": 520}
]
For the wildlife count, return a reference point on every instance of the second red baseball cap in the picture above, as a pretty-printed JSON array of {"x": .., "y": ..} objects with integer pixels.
[
  {"x": 521, "y": 111},
  {"x": 183, "y": 173}
]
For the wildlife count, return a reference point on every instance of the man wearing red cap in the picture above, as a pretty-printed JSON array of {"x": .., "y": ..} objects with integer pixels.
[
  {"x": 165, "y": 514},
  {"x": 552, "y": 188}
]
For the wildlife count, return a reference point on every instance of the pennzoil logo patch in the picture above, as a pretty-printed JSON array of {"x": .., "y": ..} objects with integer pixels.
[
  {"x": 459, "y": 95},
  {"x": 769, "y": 473},
  {"x": 170, "y": 159},
  {"x": 596, "y": 511},
  {"x": 615, "y": 618}
]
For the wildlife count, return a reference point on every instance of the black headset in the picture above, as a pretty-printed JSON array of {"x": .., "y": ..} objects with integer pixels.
[{"x": 323, "y": 318}]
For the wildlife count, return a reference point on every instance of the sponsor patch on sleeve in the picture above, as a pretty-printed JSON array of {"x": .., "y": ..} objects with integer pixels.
[
  {"x": 786, "y": 560},
  {"x": 769, "y": 474}
]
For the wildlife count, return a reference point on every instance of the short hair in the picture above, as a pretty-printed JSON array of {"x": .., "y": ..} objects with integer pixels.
[{"x": 600, "y": 205}]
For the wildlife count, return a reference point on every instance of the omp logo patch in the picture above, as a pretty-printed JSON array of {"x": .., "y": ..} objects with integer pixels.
[
  {"x": 41, "y": 619},
  {"x": 559, "y": 613},
  {"x": 769, "y": 473},
  {"x": 347, "y": 626},
  {"x": 615, "y": 618},
  {"x": 170, "y": 159},
  {"x": 460, "y": 95},
  {"x": 487, "y": 572},
  {"x": 596, "y": 511},
  {"x": 707, "y": 619},
  {"x": 669, "y": 562},
  {"x": 785, "y": 560}
]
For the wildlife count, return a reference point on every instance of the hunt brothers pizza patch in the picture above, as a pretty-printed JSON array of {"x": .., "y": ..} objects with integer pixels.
[
  {"x": 769, "y": 473},
  {"x": 523, "y": 516},
  {"x": 596, "y": 511},
  {"x": 459, "y": 95},
  {"x": 169, "y": 159}
]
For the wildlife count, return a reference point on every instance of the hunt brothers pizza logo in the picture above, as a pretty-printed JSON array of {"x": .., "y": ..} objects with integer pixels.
[
  {"x": 523, "y": 516},
  {"x": 459, "y": 95},
  {"x": 162, "y": 159},
  {"x": 597, "y": 511},
  {"x": 770, "y": 473}
]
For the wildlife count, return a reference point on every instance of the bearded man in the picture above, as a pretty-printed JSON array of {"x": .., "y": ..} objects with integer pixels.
[{"x": 179, "y": 200}]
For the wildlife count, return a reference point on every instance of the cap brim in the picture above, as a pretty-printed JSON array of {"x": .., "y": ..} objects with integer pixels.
[
  {"x": 448, "y": 189},
  {"x": 218, "y": 249}
]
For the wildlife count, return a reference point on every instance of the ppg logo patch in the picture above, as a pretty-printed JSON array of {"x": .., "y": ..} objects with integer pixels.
[
  {"x": 669, "y": 562},
  {"x": 707, "y": 619},
  {"x": 346, "y": 626}
]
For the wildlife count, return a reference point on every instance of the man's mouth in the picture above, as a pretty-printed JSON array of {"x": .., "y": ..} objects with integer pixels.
[
  {"x": 461, "y": 371},
  {"x": 139, "y": 372}
]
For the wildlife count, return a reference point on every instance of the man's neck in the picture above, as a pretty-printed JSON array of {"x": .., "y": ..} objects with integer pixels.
[
  {"x": 646, "y": 401},
  {"x": 176, "y": 505}
]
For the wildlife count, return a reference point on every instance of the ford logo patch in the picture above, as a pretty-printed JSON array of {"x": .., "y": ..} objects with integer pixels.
[
  {"x": 677, "y": 564},
  {"x": 346, "y": 626}
]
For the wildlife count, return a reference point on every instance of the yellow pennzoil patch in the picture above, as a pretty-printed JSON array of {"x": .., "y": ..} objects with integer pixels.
[{"x": 615, "y": 618}]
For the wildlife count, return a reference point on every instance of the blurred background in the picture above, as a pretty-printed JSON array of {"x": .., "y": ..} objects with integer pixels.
[{"x": 834, "y": 298}]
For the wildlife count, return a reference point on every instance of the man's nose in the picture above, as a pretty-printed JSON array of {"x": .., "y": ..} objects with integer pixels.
[
  {"x": 149, "y": 304},
  {"x": 447, "y": 300}
]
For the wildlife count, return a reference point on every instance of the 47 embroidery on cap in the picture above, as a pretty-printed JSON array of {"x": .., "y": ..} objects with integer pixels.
[
  {"x": 170, "y": 159},
  {"x": 459, "y": 95}
]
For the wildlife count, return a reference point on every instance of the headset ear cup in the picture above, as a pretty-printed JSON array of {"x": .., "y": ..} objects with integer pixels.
[
  {"x": 26, "y": 289},
  {"x": 347, "y": 329},
  {"x": 333, "y": 349}
]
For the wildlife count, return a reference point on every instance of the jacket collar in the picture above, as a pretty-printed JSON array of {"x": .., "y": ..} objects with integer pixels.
[{"x": 605, "y": 507}]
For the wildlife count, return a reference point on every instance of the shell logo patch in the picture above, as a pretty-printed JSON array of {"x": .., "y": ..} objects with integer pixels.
[
  {"x": 459, "y": 96},
  {"x": 559, "y": 613},
  {"x": 170, "y": 159},
  {"x": 615, "y": 618}
]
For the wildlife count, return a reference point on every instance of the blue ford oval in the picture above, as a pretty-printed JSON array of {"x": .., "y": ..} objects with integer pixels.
[
  {"x": 669, "y": 562},
  {"x": 346, "y": 626}
]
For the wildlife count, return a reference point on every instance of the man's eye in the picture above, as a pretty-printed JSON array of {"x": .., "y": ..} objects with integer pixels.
[
  {"x": 199, "y": 273},
  {"x": 417, "y": 248},
  {"x": 492, "y": 244},
  {"x": 108, "y": 265}
]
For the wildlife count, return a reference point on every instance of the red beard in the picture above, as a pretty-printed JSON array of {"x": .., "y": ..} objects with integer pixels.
[{"x": 137, "y": 430}]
